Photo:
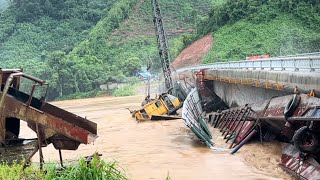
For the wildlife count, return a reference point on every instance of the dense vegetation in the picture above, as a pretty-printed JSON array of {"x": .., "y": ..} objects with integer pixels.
[
  {"x": 36, "y": 35},
  {"x": 79, "y": 45},
  {"x": 253, "y": 27},
  {"x": 95, "y": 169}
]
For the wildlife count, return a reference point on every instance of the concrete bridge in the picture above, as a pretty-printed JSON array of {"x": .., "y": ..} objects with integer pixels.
[{"x": 241, "y": 82}]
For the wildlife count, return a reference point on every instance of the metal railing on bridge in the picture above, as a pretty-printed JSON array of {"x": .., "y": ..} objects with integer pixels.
[{"x": 298, "y": 63}]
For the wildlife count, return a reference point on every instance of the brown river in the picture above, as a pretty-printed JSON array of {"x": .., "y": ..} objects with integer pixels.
[{"x": 154, "y": 150}]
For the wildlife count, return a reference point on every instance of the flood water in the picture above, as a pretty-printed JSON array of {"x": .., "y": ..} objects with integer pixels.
[{"x": 149, "y": 150}]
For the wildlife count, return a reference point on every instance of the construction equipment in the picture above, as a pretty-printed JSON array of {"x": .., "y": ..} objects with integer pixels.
[
  {"x": 66, "y": 131},
  {"x": 173, "y": 88},
  {"x": 162, "y": 44},
  {"x": 156, "y": 109},
  {"x": 167, "y": 103}
]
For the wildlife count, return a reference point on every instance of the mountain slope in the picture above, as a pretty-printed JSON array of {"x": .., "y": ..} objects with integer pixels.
[
  {"x": 79, "y": 45},
  {"x": 193, "y": 54},
  {"x": 243, "y": 28}
]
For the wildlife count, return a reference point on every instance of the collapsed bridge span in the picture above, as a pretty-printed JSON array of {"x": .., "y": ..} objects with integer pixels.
[{"x": 273, "y": 99}]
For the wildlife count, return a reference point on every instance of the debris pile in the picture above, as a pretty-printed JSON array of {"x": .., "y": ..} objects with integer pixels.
[{"x": 291, "y": 119}]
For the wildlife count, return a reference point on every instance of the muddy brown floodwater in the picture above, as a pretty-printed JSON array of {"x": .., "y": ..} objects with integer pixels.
[{"x": 150, "y": 150}]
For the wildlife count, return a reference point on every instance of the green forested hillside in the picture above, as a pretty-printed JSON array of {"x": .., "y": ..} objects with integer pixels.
[
  {"x": 251, "y": 27},
  {"x": 78, "y": 45},
  {"x": 31, "y": 32}
]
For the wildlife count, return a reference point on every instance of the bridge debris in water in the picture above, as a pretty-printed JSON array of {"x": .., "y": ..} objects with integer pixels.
[
  {"x": 66, "y": 131},
  {"x": 194, "y": 118},
  {"x": 292, "y": 119}
]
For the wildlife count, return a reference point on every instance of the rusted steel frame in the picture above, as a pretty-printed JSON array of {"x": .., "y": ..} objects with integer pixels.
[
  {"x": 2, "y": 104},
  {"x": 69, "y": 117},
  {"x": 225, "y": 118},
  {"x": 231, "y": 122},
  {"x": 47, "y": 89},
  {"x": 315, "y": 119},
  {"x": 6, "y": 87},
  {"x": 220, "y": 119},
  {"x": 292, "y": 172},
  {"x": 30, "y": 156},
  {"x": 301, "y": 110},
  {"x": 257, "y": 123},
  {"x": 243, "y": 117},
  {"x": 227, "y": 124},
  {"x": 308, "y": 109},
  {"x": 39, "y": 146},
  {"x": 10, "y": 70},
  {"x": 222, "y": 116},
  {"x": 215, "y": 119},
  {"x": 280, "y": 118},
  {"x": 33, "y": 90},
  {"x": 244, "y": 141},
  {"x": 239, "y": 130},
  {"x": 40, "y": 81},
  {"x": 1, "y": 76},
  {"x": 67, "y": 129},
  {"x": 232, "y": 125},
  {"x": 233, "y": 113},
  {"x": 60, "y": 157},
  {"x": 31, "y": 93},
  {"x": 298, "y": 166},
  {"x": 23, "y": 75}
]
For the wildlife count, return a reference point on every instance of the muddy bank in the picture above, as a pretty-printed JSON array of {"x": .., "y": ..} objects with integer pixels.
[{"x": 152, "y": 150}]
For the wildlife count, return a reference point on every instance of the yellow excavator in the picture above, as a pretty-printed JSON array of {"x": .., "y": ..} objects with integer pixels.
[
  {"x": 167, "y": 103},
  {"x": 160, "y": 108}
]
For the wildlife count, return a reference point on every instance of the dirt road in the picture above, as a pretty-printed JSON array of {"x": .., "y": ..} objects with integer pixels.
[{"x": 150, "y": 150}]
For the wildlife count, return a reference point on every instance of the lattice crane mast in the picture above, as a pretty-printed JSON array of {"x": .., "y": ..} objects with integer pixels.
[{"x": 162, "y": 44}]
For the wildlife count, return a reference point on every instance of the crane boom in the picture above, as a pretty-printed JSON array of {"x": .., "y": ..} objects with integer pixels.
[{"x": 162, "y": 44}]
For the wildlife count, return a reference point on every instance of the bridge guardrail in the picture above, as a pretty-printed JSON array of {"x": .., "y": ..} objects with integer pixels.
[{"x": 303, "y": 63}]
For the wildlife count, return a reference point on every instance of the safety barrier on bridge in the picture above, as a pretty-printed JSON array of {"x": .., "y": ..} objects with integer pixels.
[{"x": 303, "y": 63}]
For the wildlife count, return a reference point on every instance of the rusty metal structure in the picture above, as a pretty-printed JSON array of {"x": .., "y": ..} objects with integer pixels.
[
  {"x": 66, "y": 131},
  {"x": 292, "y": 118}
]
